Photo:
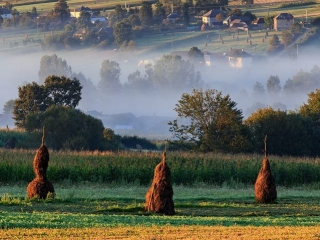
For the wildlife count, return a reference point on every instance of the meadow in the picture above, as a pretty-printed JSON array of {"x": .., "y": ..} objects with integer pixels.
[{"x": 102, "y": 194}]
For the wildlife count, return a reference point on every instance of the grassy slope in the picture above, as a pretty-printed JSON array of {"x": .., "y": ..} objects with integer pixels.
[{"x": 208, "y": 41}]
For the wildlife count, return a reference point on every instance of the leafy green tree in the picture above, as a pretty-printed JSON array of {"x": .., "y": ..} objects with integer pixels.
[
  {"x": 110, "y": 77},
  {"x": 195, "y": 54},
  {"x": 274, "y": 41},
  {"x": 117, "y": 15},
  {"x": 62, "y": 91},
  {"x": 311, "y": 109},
  {"x": 296, "y": 28},
  {"x": 67, "y": 128},
  {"x": 286, "y": 38},
  {"x": 287, "y": 133},
  {"x": 145, "y": 14},
  {"x": 172, "y": 74},
  {"x": 134, "y": 20},
  {"x": 34, "y": 98},
  {"x": 158, "y": 13},
  {"x": 268, "y": 21},
  {"x": 61, "y": 10},
  {"x": 52, "y": 65},
  {"x": 31, "y": 100},
  {"x": 122, "y": 32},
  {"x": 84, "y": 20},
  {"x": 250, "y": 15},
  {"x": 8, "y": 107},
  {"x": 273, "y": 85},
  {"x": 211, "y": 120}
]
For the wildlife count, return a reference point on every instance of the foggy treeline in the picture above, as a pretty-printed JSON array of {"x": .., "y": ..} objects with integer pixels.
[{"x": 146, "y": 85}]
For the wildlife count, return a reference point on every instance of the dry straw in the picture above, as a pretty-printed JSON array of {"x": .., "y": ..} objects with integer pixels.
[
  {"x": 159, "y": 196},
  {"x": 40, "y": 186},
  {"x": 265, "y": 186}
]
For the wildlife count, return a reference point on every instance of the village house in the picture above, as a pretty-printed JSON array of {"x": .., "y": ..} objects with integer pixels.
[
  {"x": 5, "y": 13},
  {"x": 283, "y": 21},
  {"x": 258, "y": 23},
  {"x": 77, "y": 11},
  {"x": 238, "y": 58},
  {"x": 173, "y": 17},
  {"x": 210, "y": 18}
]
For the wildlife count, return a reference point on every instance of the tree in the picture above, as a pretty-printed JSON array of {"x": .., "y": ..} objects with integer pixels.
[
  {"x": 62, "y": 91},
  {"x": 134, "y": 20},
  {"x": 34, "y": 98},
  {"x": 110, "y": 77},
  {"x": 122, "y": 32},
  {"x": 303, "y": 82},
  {"x": 212, "y": 121},
  {"x": 273, "y": 85},
  {"x": 195, "y": 54},
  {"x": 145, "y": 14},
  {"x": 274, "y": 41},
  {"x": 61, "y": 10},
  {"x": 159, "y": 13},
  {"x": 52, "y": 65},
  {"x": 268, "y": 21},
  {"x": 31, "y": 100},
  {"x": 84, "y": 20},
  {"x": 316, "y": 22},
  {"x": 258, "y": 89},
  {"x": 8, "y": 107},
  {"x": 250, "y": 15},
  {"x": 235, "y": 12},
  {"x": 67, "y": 128},
  {"x": 286, "y": 38},
  {"x": 172, "y": 74},
  {"x": 185, "y": 13},
  {"x": 288, "y": 133},
  {"x": 169, "y": 4},
  {"x": 312, "y": 107}
]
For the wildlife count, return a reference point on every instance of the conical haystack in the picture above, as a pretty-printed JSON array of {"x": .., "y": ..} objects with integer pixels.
[
  {"x": 159, "y": 196},
  {"x": 265, "y": 186},
  {"x": 40, "y": 186}
]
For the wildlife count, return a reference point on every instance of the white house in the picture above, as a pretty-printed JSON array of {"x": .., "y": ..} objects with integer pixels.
[
  {"x": 77, "y": 11},
  {"x": 238, "y": 58},
  {"x": 5, "y": 13},
  {"x": 283, "y": 21},
  {"x": 210, "y": 17}
]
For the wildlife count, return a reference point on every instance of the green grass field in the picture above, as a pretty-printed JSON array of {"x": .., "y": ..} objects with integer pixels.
[{"x": 117, "y": 211}]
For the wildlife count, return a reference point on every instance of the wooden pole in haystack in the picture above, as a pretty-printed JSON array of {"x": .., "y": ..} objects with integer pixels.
[
  {"x": 40, "y": 186},
  {"x": 265, "y": 186},
  {"x": 159, "y": 196}
]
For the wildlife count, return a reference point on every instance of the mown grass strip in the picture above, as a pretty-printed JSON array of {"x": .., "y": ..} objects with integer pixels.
[{"x": 165, "y": 232}]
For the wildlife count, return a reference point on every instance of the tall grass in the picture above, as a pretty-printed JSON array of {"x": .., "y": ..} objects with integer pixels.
[{"x": 186, "y": 168}]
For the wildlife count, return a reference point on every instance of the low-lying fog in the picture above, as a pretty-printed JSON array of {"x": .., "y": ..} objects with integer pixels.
[{"x": 21, "y": 69}]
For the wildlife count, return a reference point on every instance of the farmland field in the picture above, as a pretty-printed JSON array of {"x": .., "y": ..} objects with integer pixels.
[
  {"x": 111, "y": 206},
  {"x": 117, "y": 211}
]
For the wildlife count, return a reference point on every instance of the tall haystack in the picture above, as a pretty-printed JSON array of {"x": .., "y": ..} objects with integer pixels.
[
  {"x": 159, "y": 196},
  {"x": 265, "y": 186},
  {"x": 40, "y": 186}
]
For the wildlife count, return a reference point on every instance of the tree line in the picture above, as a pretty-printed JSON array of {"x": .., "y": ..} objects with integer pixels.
[{"x": 212, "y": 122}]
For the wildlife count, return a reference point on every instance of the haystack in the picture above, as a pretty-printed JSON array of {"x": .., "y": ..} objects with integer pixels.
[
  {"x": 40, "y": 186},
  {"x": 265, "y": 186},
  {"x": 159, "y": 196}
]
